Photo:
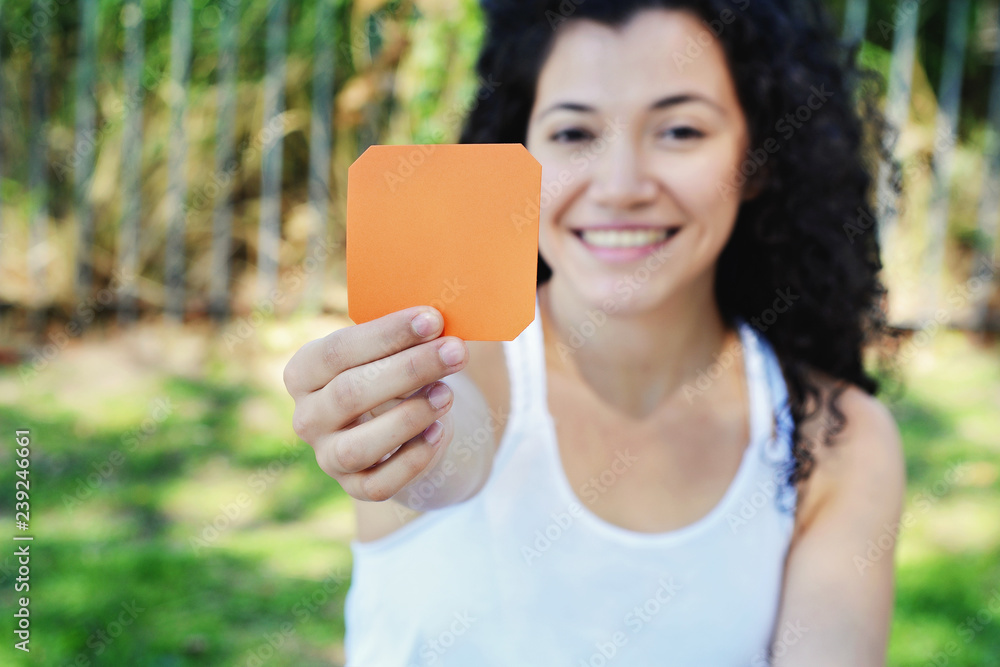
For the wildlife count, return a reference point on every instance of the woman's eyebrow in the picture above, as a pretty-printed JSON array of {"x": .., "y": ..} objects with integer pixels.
[
  {"x": 569, "y": 106},
  {"x": 662, "y": 103},
  {"x": 683, "y": 98}
]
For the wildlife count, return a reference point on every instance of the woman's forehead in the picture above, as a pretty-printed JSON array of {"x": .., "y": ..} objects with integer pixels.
[{"x": 656, "y": 54}]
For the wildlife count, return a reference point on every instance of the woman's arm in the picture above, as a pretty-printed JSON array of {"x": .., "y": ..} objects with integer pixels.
[
  {"x": 369, "y": 400},
  {"x": 473, "y": 429},
  {"x": 838, "y": 594}
]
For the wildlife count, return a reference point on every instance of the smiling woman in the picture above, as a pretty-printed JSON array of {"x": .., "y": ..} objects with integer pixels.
[
  {"x": 679, "y": 461},
  {"x": 655, "y": 184}
]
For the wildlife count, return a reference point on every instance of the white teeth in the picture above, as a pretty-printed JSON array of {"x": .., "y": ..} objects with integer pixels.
[{"x": 625, "y": 238}]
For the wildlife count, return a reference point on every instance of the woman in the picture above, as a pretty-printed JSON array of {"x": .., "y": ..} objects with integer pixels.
[{"x": 680, "y": 461}]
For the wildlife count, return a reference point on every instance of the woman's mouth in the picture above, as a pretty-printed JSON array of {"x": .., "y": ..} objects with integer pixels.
[{"x": 624, "y": 244}]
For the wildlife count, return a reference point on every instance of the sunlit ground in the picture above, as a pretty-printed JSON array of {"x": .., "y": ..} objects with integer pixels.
[{"x": 179, "y": 521}]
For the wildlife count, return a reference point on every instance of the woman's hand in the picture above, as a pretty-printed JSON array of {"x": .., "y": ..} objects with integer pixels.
[{"x": 368, "y": 400}]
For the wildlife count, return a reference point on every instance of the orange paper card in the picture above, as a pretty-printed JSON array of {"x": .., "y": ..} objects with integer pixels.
[{"x": 453, "y": 226}]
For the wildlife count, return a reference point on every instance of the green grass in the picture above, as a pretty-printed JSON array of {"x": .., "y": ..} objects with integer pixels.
[
  {"x": 133, "y": 463},
  {"x": 187, "y": 500},
  {"x": 948, "y": 565}
]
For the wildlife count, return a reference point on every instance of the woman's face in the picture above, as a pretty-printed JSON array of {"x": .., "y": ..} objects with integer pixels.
[{"x": 639, "y": 133}]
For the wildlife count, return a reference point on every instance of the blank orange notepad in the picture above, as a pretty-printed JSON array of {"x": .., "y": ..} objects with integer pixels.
[{"x": 453, "y": 226}]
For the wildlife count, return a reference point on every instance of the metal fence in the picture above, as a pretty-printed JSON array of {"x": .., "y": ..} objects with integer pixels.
[{"x": 46, "y": 195}]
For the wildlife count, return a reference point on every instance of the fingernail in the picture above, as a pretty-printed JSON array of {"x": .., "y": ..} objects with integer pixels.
[
  {"x": 439, "y": 396},
  {"x": 452, "y": 352},
  {"x": 432, "y": 434},
  {"x": 424, "y": 324}
]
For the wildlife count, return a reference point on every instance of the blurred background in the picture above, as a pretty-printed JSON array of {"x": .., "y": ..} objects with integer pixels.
[{"x": 172, "y": 178}]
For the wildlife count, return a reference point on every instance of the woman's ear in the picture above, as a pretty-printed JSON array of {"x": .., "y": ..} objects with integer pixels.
[{"x": 755, "y": 184}]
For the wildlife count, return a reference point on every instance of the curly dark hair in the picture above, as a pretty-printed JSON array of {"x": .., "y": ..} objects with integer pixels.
[{"x": 810, "y": 229}]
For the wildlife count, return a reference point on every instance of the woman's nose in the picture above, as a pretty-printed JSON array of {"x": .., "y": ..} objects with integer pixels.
[{"x": 619, "y": 179}]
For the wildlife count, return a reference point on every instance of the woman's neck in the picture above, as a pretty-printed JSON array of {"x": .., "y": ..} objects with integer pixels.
[{"x": 634, "y": 361}]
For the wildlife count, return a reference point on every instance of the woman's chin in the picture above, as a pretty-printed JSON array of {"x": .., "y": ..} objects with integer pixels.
[{"x": 623, "y": 294}]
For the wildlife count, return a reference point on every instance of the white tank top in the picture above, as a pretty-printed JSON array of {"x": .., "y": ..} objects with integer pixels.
[{"x": 524, "y": 574}]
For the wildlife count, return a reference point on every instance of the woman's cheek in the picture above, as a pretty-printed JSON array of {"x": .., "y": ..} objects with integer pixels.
[
  {"x": 556, "y": 188},
  {"x": 703, "y": 186}
]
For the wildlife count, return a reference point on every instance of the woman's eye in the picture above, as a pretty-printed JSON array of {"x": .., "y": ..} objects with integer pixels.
[
  {"x": 683, "y": 132},
  {"x": 572, "y": 135}
]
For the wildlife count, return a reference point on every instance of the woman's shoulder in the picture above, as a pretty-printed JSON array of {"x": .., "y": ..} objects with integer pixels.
[{"x": 862, "y": 464}]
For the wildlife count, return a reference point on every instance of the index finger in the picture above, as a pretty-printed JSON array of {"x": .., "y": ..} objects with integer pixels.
[{"x": 321, "y": 360}]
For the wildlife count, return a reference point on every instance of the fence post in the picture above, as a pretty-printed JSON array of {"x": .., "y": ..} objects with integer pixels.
[
  {"x": 945, "y": 138},
  {"x": 898, "y": 103},
  {"x": 38, "y": 244},
  {"x": 180, "y": 68},
  {"x": 855, "y": 20},
  {"x": 225, "y": 162},
  {"x": 85, "y": 147},
  {"x": 368, "y": 133},
  {"x": 269, "y": 238},
  {"x": 319, "y": 151},
  {"x": 131, "y": 176},
  {"x": 3, "y": 235},
  {"x": 988, "y": 219}
]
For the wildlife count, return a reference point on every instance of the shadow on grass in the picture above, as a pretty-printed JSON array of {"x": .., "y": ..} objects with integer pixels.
[{"x": 114, "y": 580}]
